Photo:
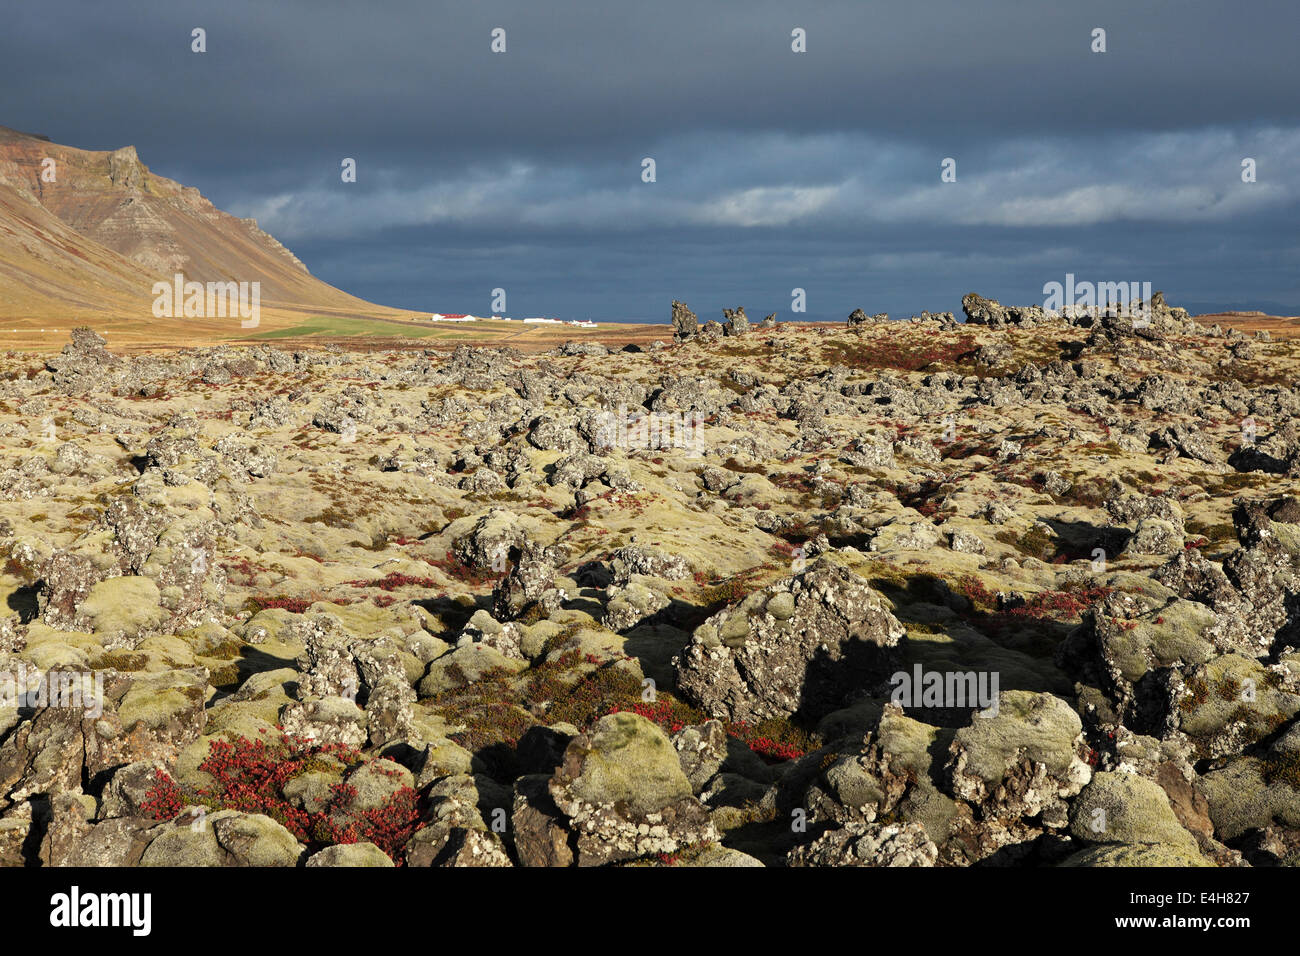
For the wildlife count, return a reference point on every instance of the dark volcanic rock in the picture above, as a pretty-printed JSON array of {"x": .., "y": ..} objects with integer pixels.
[{"x": 803, "y": 645}]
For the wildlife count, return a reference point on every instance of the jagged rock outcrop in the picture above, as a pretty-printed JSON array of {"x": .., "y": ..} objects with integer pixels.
[{"x": 803, "y": 645}]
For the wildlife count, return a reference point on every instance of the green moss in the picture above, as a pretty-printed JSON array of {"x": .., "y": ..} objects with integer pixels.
[
  {"x": 593, "y": 696},
  {"x": 1257, "y": 725},
  {"x": 1089, "y": 492},
  {"x": 1037, "y": 542},
  {"x": 1198, "y": 694},
  {"x": 1228, "y": 689},
  {"x": 332, "y": 517},
  {"x": 732, "y": 465},
  {"x": 1217, "y": 533},
  {"x": 502, "y": 705},
  {"x": 1240, "y": 480},
  {"x": 888, "y": 577},
  {"x": 1284, "y": 768},
  {"x": 123, "y": 661},
  {"x": 222, "y": 674},
  {"x": 157, "y": 706}
]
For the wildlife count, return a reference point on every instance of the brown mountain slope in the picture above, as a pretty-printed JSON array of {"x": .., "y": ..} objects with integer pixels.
[
  {"x": 89, "y": 246},
  {"x": 47, "y": 267}
]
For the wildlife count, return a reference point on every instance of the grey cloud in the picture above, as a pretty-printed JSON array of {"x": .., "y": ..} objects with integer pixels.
[{"x": 772, "y": 165}]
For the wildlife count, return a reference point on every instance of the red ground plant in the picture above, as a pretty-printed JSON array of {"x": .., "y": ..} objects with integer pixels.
[
  {"x": 775, "y": 741},
  {"x": 250, "y": 776}
]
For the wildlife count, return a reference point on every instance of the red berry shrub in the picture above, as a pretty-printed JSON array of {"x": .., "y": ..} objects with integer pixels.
[
  {"x": 773, "y": 740},
  {"x": 250, "y": 776},
  {"x": 280, "y": 602}
]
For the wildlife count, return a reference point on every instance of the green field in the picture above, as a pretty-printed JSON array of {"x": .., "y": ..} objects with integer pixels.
[{"x": 328, "y": 326}]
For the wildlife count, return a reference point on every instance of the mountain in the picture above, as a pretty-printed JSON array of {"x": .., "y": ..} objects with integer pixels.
[{"x": 87, "y": 248}]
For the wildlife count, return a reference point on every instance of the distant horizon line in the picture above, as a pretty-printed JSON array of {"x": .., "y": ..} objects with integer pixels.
[{"x": 1193, "y": 308}]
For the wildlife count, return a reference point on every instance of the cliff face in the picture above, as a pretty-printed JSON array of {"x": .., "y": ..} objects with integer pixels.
[{"x": 107, "y": 228}]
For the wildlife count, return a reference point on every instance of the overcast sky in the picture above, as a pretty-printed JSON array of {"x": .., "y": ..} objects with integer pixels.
[{"x": 775, "y": 170}]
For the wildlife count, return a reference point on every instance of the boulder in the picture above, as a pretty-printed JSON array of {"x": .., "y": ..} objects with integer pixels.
[
  {"x": 805, "y": 644},
  {"x": 625, "y": 795}
]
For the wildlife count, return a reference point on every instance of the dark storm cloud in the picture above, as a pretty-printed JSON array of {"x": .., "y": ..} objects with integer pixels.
[{"x": 775, "y": 170}]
